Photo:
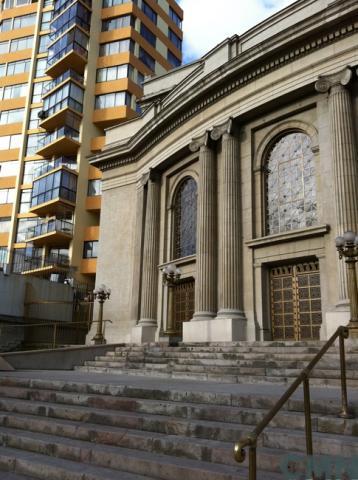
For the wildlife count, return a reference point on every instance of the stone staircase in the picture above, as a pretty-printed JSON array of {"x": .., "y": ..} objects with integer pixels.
[
  {"x": 82, "y": 425},
  {"x": 240, "y": 362}
]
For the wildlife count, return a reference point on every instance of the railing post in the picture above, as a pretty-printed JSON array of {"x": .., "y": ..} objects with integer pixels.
[
  {"x": 252, "y": 463},
  {"x": 344, "y": 413},
  {"x": 54, "y": 335},
  {"x": 308, "y": 421}
]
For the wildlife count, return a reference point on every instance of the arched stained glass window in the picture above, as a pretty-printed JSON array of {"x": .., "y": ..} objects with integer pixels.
[
  {"x": 185, "y": 206},
  {"x": 290, "y": 184}
]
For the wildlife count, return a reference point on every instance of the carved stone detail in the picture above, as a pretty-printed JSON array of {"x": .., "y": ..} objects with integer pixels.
[{"x": 326, "y": 82}]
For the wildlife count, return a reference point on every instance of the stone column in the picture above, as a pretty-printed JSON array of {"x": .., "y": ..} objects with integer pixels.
[
  {"x": 345, "y": 160},
  {"x": 206, "y": 244},
  {"x": 147, "y": 325},
  {"x": 229, "y": 232}
]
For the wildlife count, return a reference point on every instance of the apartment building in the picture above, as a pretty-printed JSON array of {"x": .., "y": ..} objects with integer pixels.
[{"x": 69, "y": 69}]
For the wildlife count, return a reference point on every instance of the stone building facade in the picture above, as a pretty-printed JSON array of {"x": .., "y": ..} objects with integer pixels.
[{"x": 241, "y": 172}]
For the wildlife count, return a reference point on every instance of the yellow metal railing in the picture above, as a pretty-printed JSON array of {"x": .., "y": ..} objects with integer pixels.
[{"x": 250, "y": 441}]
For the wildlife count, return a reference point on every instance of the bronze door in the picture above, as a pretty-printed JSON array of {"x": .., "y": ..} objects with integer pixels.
[
  {"x": 183, "y": 308},
  {"x": 296, "y": 311}
]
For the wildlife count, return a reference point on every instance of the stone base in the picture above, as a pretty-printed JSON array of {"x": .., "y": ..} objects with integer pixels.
[
  {"x": 335, "y": 320},
  {"x": 143, "y": 333},
  {"x": 216, "y": 330}
]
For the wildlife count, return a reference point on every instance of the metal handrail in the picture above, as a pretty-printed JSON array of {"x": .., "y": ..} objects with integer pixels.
[{"x": 250, "y": 440}]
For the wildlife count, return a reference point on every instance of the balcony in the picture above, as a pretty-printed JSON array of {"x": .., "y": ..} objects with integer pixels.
[
  {"x": 77, "y": 14},
  {"x": 68, "y": 74},
  {"x": 68, "y": 162},
  {"x": 52, "y": 232},
  {"x": 38, "y": 265},
  {"x": 61, "y": 5},
  {"x": 57, "y": 115},
  {"x": 73, "y": 55},
  {"x": 63, "y": 141},
  {"x": 54, "y": 192}
]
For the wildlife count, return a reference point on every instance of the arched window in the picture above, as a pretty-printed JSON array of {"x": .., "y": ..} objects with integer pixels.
[
  {"x": 185, "y": 206},
  {"x": 290, "y": 184}
]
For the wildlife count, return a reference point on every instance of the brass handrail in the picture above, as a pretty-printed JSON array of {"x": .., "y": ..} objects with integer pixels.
[{"x": 250, "y": 440}]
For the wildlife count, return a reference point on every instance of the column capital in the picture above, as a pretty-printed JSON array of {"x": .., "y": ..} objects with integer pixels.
[
  {"x": 152, "y": 175},
  {"x": 326, "y": 82},
  {"x": 202, "y": 141},
  {"x": 228, "y": 127}
]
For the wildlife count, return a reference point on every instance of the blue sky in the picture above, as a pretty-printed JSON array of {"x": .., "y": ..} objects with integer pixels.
[{"x": 204, "y": 27}]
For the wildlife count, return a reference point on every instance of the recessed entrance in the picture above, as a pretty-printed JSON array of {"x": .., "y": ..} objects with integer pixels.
[
  {"x": 183, "y": 308},
  {"x": 296, "y": 311}
]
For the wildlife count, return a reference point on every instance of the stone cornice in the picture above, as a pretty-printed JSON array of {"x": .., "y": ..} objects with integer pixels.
[
  {"x": 228, "y": 78},
  {"x": 326, "y": 82}
]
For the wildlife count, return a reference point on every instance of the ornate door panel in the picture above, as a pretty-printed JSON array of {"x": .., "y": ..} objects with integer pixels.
[
  {"x": 296, "y": 311},
  {"x": 183, "y": 300}
]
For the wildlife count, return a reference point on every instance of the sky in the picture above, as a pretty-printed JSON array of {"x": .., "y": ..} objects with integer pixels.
[{"x": 205, "y": 26}]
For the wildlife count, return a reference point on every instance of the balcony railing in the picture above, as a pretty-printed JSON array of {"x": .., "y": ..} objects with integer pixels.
[
  {"x": 67, "y": 74},
  {"x": 51, "y": 225},
  {"x": 65, "y": 131},
  {"x": 66, "y": 102},
  {"x": 52, "y": 260},
  {"x": 74, "y": 21},
  {"x": 59, "y": 162},
  {"x": 72, "y": 46},
  {"x": 61, "y": 5}
]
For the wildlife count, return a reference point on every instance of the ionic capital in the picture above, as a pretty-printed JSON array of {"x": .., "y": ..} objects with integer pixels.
[
  {"x": 229, "y": 127},
  {"x": 199, "y": 142},
  {"x": 340, "y": 79},
  {"x": 152, "y": 175}
]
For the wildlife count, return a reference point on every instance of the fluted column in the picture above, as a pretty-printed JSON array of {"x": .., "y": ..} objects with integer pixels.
[
  {"x": 229, "y": 231},
  {"x": 148, "y": 312},
  {"x": 206, "y": 244},
  {"x": 344, "y": 154}
]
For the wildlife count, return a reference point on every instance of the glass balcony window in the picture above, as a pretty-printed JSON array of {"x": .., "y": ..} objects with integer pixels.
[
  {"x": 65, "y": 131},
  {"x": 33, "y": 143},
  {"x": 23, "y": 224},
  {"x": 69, "y": 162},
  {"x": 30, "y": 168},
  {"x": 38, "y": 91},
  {"x": 77, "y": 14},
  {"x": 65, "y": 75},
  {"x": 57, "y": 185},
  {"x": 49, "y": 226},
  {"x": 70, "y": 95},
  {"x": 73, "y": 40},
  {"x": 61, "y": 5}
]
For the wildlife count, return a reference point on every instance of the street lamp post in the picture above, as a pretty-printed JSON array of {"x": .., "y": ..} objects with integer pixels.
[
  {"x": 171, "y": 276},
  {"x": 102, "y": 293},
  {"x": 347, "y": 247}
]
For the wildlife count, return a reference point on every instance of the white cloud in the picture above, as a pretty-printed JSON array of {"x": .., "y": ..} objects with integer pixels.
[{"x": 208, "y": 22}]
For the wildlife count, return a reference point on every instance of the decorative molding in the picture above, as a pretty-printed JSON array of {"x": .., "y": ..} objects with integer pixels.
[
  {"x": 228, "y": 127},
  {"x": 159, "y": 127},
  {"x": 199, "y": 142},
  {"x": 152, "y": 175},
  {"x": 341, "y": 78},
  {"x": 291, "y": 236}
]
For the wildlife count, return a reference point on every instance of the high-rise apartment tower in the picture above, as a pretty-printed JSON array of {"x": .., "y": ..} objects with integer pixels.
[{"x": 68, "y": 70}]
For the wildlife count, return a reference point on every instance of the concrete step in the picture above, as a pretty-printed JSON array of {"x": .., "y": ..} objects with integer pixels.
[
  {"x": 18, "y": 462},
  {"x": 120, "y": 460}
]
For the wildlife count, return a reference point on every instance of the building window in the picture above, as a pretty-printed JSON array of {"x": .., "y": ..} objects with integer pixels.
[
  {"x": 175, "y": 17},
  {"x": 114, "y": 73},
  {"x": 22, "y": 66},
  {"x": 5, "y": 223},
  {"x": 113, "y": 3},
  {"x": 94, "y": 188},
  {"x": 34, "y": 143},
  {"x": 11, "y": 116},
  {"x": 44, "y": 43},
  {"x": 30, "y": 170},
  {"x": 8, "y": 142},
  {"x": 173, "y": 37},
  {"x": 70, "y": 95},
  {"x": 23, "y": 224},
  {"x": 90, "y": 249},
  {"x": 117, "y": 22},
  {"x": 7, "y": 195},
  {"x": 25, "y": 201},
  {"x": 5, "y": 25},
  {"x": 111, "y": 48},
  {"x": 38, "y": 90},
  {"x": 24, "y": 21},
  {"x": 3, "y": 256},
  {"x": 13, "y": 91},
  {"x": 34, "y": 118},
  {"x": 146, "y": 59},
  {"x": 149, "y": 12},
  {"x": 173, "y": 60},
  {"x": 9, "y": 169},
  {"x": 290, "y": 184},
  {"x": 41, "y": 66},
  {"x": 185, "y": 207},
  {"x": 46, "y": 20},
  {"x": 59, "y": 184},
  {"x": 4, "y": 47},
  {"x": 148, "y": 35},
  {"x": 21, "y": 43},
  {"x": 110, "y": 100}
]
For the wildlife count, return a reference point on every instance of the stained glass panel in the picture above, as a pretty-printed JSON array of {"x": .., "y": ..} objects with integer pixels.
[
  {"x": 291, "y": 184},
  {"x": 185, "y": 218}
]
